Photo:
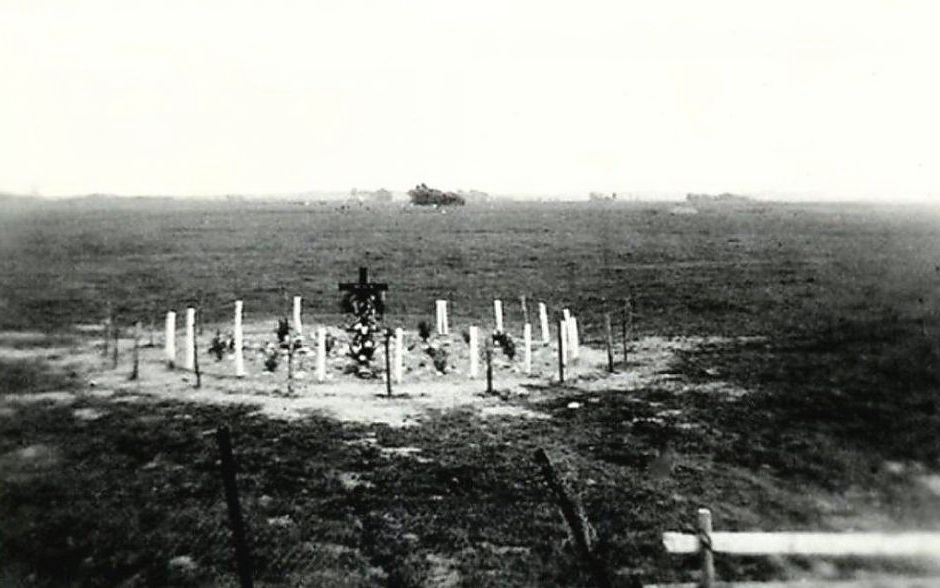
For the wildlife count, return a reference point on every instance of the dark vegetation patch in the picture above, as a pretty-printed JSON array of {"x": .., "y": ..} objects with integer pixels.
[{"x": 21, "y": 376}]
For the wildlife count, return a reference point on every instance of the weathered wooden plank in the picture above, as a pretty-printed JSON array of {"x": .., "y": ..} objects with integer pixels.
[
  {"x": 879, "y": 582},
  {"x": 834, "y": 544}
]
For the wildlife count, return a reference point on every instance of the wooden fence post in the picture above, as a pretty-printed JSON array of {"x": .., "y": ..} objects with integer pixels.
[
  {"x": 135, "y": 371},
  {"x": 705, "y": 540},
  {"x": 626, "y": 315},
  {"x": 574, "y": 517},
  {"x": 242, "y": 555},
  {"x": 290, "y": 365},
  {"x": 562, "y": 335}
]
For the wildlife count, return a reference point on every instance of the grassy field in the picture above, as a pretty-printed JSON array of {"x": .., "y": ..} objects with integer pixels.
[
  {"x": 829, "y": 315},
  {"x": 746, "y": 270}
]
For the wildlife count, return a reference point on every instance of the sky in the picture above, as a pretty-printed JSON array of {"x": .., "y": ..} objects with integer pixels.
[{"x": 831, "y": 99}]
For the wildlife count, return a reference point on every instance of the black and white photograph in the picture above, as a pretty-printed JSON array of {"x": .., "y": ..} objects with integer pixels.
[{"x": 448, "y": 294}]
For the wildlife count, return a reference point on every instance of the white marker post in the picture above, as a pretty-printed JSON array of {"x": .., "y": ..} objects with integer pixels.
[
  {"x": 321, "y": 354},
  {"x": 298, "y": 323},
  {"x": 574, "y": 344},
  {"x": 474, "y": 351},
  {"x": 169, "y": 344},
  {"x": 498, "y": 311},
  {"x": 543, "y": 320},
  {"x": 563, "y": 342},
  {"x": 190, "y": 361},
  {"x": 399, "y": 355},
  {"x": 442, "y": 327},
  {"x": 527, "y": 341},
  {"x": 566, "y": 334},
  {"x": 239, "y": 342}
]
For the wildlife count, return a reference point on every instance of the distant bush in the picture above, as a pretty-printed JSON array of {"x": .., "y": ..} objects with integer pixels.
[
  {"x": 505, "y": 342},
  {"x": 421, "y": 195},
  {"x": 424, "y": 330}
]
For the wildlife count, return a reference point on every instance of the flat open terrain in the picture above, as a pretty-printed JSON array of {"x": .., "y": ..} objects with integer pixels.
[{"x": 783, "y": 371}]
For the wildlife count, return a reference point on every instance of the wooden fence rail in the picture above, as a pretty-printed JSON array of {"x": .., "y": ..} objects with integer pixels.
[{"x": 707, "y": 543}]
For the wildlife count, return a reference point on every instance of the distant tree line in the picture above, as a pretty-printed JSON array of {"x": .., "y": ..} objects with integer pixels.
[
  {"x": 723, "y": 197},
  {"x": 421, "y": 195}
]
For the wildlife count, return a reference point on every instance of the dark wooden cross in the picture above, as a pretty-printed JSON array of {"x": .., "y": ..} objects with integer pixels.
[
  {"x": 368, "y": 306},
  {"x": 363, "y": 289}
]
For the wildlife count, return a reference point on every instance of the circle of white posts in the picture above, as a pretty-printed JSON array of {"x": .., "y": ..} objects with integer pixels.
[{"x": 568, "y": 326}]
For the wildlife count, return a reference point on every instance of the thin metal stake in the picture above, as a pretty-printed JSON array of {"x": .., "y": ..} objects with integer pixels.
[
  {"x": 489, "y": 366},
  {"x": 610, "y": 343}
]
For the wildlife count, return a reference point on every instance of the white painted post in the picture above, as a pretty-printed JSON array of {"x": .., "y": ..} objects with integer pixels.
[
  {"x": 190, "y": 357},
  {"x": 321, "y": 354},
  {"x": 566, "y": 334},
  {"x": 527, "y": 341},
  {"x": 442, "y": 327},
  {"x": 575, "y": 344},
  {"x": 563, "y": 341},
  {"x": 399, "y": 355},
  {"x": 239, "y": 342},
  {"x": 474, "y": 351},
  {"x": 169, "y": 345},
  {"x": 498, "y": 311},
  {"x": 543, "y": 319},
  {"x": 298, "y": 323}
]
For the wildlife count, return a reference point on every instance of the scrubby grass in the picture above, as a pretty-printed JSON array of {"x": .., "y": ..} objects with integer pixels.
[{"x": 19, "y": 376}]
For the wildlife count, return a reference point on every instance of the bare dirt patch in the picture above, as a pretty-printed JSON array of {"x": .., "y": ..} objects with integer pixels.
[{"x": 425, "y": 390}]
